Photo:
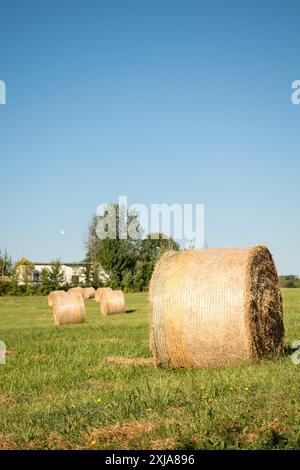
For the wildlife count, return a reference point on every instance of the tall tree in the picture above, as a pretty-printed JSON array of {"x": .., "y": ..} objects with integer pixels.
[
  {"x": 151, "y": 249},
  {"x": 5, "y": 263},
  {"x": 115, "y": 244},
  {"x": 56, "y": 275},
  {"x": 109, "y": 244},
  {"x": 24, "y": 268}
]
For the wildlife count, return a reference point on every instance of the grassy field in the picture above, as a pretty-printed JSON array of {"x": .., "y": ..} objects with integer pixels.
[{"x": 91, "y": 386}]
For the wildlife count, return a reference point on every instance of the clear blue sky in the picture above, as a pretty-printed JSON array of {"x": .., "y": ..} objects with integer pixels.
[{"x": 163, "y": 100}]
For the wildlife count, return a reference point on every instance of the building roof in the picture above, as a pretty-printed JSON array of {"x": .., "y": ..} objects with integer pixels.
[{"x": 48, "y": 263}]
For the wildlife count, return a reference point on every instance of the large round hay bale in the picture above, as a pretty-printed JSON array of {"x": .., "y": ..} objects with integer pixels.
[
  {"x": 113, "y": 302},
  {"x": 68, "y": 308},
  {"x": 215, "y": 307},
  {"x": 101, "y": 292},
  {"x": 52, "y": 295},
  {"x": 89, "y": 293}
]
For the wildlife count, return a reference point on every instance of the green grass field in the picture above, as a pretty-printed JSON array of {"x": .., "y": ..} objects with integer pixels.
[{"x": 71, "y": 387}]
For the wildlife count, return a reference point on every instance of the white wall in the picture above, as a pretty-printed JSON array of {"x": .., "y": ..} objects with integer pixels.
[{"x": 68, "y": 271}]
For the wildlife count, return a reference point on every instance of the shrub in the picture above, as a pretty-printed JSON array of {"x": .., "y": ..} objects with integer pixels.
[{"x": 4, "y": 285}]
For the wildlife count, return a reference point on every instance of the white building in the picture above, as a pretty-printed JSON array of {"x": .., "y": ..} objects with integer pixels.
[{"x": 73, "y": 272}]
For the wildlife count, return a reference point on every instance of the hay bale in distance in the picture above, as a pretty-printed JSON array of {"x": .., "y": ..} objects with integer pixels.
[
  {"x": 68, "y": 307},
  {"x": 89, "y": 293},
  {"x": 113, "y": 302},
  {"x": 215, "y": 307},
  {"x": 76, "y": 289},
  {"x": 101, "y": 292}
]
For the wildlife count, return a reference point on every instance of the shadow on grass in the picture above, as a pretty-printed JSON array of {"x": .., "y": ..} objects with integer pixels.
[
  {"x": 130, "y": 311},
  {"x": 290, "y": 349}
]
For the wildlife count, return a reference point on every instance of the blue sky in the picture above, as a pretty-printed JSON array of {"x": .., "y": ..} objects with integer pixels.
[{"x": 164, "y": 101}]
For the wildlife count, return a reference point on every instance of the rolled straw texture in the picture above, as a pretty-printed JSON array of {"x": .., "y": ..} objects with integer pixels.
[
  {"x": 76, "y": 289},
  {"x": 101, "y": 292},
  {"x": 215, "y": 307},
  {"x": 68, "y": 308},
  {"x": 89, "y": 293},
  {"x": 113, "y": 302},
  {"x": 52, "y": 295}
]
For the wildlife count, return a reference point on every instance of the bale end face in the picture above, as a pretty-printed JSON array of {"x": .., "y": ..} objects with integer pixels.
[
  {"x": 263, "y": 305},
  {"x": 101, "y": 292},
  {"x": 68, "y": 307},
  {"x": 113, "y": 302},
  {"x": 88, "y": 293}
]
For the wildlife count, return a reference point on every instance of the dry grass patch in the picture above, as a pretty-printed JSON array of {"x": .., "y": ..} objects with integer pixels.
[
  {"x": 121, "y": 433},
  {"x": 10, "y": 352},
  {"x": 272, "y": 425},
  {"x": 56, "y": 442},
  {"x": 133, "y": 361},
  {"x": 6, "y": 442},
  {"x": 4, "y": 398},
  {"x": 249, "y": 437},
  {"x": 163, "y": 444}
]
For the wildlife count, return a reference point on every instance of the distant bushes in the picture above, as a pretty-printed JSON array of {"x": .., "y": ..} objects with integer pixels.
[
  {"x": 19, "y": 280},
  {"x": 290, "y": 281},
  {"x": 4, "y": 285},
  {"x": 10, "y": 288}
]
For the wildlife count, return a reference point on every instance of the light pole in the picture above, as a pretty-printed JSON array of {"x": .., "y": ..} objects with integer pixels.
[
  {"x": 10, "y": 253},
  {"x": 62, "y": 233}
]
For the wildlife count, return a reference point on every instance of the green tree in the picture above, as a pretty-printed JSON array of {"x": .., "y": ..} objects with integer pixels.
[
  {"x": 127, "y": 281},
  {"x": 141, "y": 277},
  {"x": 45, "y": 284},
  {"x": 150, "y": 250},
  {"x": 56, "y": 276},
  {"x": 4, "y": 285},
  {"x": 91, "y": 275},
  {"x": 115, "y": 255},
  {"x": 5, "y": 264},
  {"x": 24, "y": 269},
  {"x": 77, "y": 270},
  {"x": 155, "y": 245},
  {"x": 128, "y": 262},
  {"x": 14, "y": 288}
]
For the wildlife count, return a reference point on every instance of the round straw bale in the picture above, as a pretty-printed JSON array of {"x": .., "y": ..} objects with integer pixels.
[
  {"x": 101, "y": 292},
  {"x": 52, "y": 295},
  {"x": 215, "y": 307},
  {"x": 113, "y": 302},
  {"x": 89, "y": 293},
  {"x": 69, "y": 308},
  {"x": 76, "y": 289}
]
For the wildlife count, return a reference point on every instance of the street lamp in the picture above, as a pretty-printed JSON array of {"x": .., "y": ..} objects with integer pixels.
[{"x": 62, "y": 233}]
